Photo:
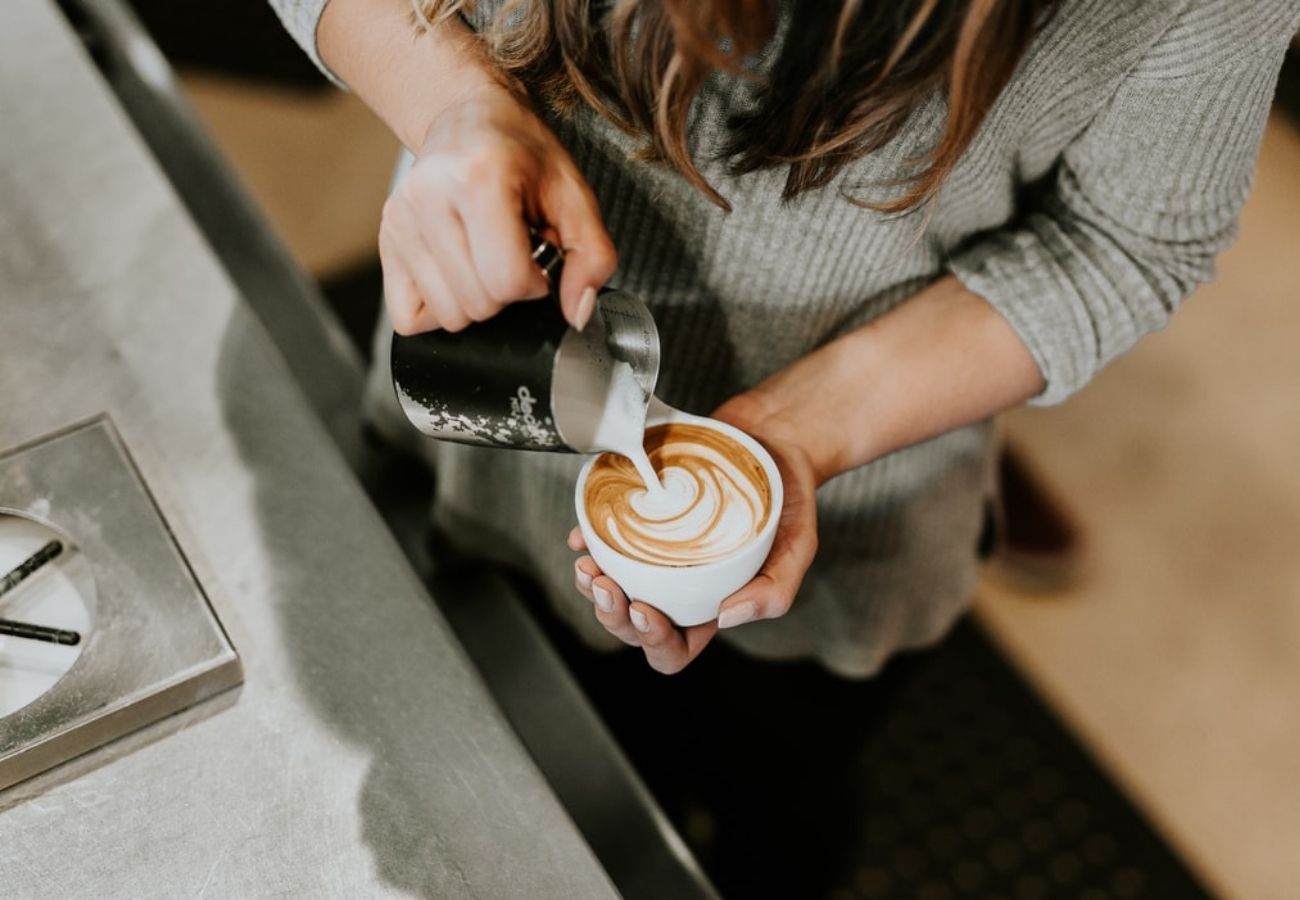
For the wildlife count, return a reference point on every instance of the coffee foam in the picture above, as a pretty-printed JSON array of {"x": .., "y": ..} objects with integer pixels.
[{"x": 715, "y": 498}]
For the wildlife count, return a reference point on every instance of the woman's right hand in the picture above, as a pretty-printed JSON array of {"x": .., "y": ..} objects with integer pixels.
[{"x": 454, "y": 240}]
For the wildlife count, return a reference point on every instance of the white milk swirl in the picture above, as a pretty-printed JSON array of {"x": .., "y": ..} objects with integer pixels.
[{"x": 715, "y": 498}]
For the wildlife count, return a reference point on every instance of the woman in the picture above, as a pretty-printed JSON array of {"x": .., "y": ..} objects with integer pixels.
[{"x": 864, "y": 228}]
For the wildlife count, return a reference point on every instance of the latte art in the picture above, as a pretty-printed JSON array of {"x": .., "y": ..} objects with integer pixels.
[{"x": 715, "y": 498}]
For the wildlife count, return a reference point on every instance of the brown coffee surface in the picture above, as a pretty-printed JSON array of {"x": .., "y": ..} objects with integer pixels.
[{"x": 717, "y": 498}]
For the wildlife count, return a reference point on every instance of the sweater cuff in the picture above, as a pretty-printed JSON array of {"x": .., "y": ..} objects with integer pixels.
[
  {"x": 301, "y": 19},
  {"x": 1018, "y": 276}
]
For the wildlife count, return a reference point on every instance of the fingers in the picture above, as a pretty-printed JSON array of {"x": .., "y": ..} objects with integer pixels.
[
  {"x": 468, "y": 253},
  {"x": 589, "y": 255},
  {"x": 458, "y": 225},
  {"x": 406, "y": 308},
  {"x": 772, "y": 591},
  {"x": 403, "y": 248},
  {"x": 576, "y": 541},
  {"x": 499, "y": 245},
  {"x": 450, "y": 252},
  {"x": 611, "y": 610},
  {"x": 466, "y": 263},
  {"x": 584, "y": 571},
  {"x": 668, "y": 649},
  {"x": 458, "y": 221},
  {"x": 608, "y": 602}
]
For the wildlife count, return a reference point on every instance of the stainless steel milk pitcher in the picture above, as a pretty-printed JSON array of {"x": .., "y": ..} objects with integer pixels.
[{"x": 524, "y": 379}]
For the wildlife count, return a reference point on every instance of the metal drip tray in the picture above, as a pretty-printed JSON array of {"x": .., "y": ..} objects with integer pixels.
[{"x": 109, "y": 572}]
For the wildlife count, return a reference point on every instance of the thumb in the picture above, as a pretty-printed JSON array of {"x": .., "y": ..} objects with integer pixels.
[
  {"x": 589, "y": 255},
  {"x": 772, "y": 591}
]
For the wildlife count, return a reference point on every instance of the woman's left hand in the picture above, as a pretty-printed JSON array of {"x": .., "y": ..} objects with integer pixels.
[
  {"x": 943, "y": 359},
  {"x": 769, "y": 595}
]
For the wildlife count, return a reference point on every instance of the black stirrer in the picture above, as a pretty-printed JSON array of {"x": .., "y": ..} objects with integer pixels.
[
  {"x": 39, "y": 633},
  {"x": 30, "y": 565}
]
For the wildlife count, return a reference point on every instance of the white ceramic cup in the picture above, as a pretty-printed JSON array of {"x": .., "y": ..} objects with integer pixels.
[{"x": 689, "y": 595}]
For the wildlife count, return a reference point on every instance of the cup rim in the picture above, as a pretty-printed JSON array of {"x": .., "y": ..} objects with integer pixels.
[{"x": 671, "y": 416}]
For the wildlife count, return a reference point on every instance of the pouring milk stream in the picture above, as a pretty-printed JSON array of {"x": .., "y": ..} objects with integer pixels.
[{"x": 525, "y": 380}]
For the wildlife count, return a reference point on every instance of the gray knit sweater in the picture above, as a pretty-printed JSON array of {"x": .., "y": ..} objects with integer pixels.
[{"x": 1093, "y": 201}]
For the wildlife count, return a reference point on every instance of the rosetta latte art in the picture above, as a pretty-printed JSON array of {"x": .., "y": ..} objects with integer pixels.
[{"x": 715, "y": 498}]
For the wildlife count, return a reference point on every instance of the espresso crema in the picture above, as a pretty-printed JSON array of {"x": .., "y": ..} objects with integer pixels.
[{"x": 715, "y": 498}]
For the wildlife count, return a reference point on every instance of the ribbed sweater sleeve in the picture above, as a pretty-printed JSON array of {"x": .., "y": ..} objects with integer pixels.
[
  {"x": 1143, "y": 199},
  {"x": 300, "y": 18}
]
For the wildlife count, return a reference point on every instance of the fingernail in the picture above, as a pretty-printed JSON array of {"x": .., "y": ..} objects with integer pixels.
[
  {"x": 586, "y": 303},
  {"x": 584, "y": 580},
  {"x": 603, "y": 599},
  {"x": 736, "y": 615},
  {"x": 639, "y": 621}
]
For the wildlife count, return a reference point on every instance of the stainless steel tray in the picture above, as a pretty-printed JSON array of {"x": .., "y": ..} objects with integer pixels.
[{"x": 155, "y": 646}]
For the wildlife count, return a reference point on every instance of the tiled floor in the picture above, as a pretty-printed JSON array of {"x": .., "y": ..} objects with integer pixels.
[{"x": 1179, "y": 659}]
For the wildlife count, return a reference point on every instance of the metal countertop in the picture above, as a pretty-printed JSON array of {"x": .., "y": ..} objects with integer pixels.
[{"x": 363, "y": 756}]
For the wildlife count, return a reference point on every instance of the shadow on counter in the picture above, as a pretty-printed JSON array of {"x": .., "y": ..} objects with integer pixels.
[{"x": 381, "y": 676}]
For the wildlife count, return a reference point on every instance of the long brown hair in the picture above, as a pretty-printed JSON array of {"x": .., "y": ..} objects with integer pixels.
[{"x": 846, "y": 79}]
